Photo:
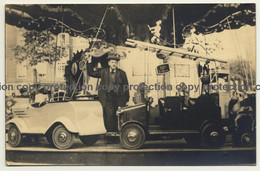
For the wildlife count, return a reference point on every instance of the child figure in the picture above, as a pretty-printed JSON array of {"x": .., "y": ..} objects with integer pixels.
[
  {"x": 237, "y": 107},
  {"x": 156, "y": 32}
]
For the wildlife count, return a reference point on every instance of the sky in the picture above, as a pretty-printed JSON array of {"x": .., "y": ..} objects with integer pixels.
[{"x": 236, "y": 42}]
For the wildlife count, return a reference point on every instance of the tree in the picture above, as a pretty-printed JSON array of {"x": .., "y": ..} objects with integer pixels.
[
  {"x": 242, "y": 70},
  {"x": 38, "y": 47}
]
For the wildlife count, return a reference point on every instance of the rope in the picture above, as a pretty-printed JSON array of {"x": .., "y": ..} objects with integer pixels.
[
  {"x": 90, "y": 49},
  {"x": 237, "y": 51},
  {"x": 72, "y": 29}
]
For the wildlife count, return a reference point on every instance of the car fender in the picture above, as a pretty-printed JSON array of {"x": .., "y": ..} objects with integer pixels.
[
  {"x": 21, "y": 125},
  {"x": 66, "y": 122},
  {"x": 206, "y": 122},
  {"x": 136, "y": 122}
]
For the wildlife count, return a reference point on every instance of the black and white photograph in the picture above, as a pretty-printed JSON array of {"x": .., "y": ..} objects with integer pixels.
[{"x": 130, "y": 84}]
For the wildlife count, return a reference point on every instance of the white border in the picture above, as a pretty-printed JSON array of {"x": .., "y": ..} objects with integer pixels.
[{"x": 2, "y": 80}]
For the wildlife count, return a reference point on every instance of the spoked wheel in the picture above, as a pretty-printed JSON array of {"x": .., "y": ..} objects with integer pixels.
[
  {"x": 62, "y": 138},
  {"x": 213, "y": 136},
  {"x": 89, "y": 140},
  {"x": 132, "y": 136},
  {"x": 245, "y": 139},
  {"x": 14, "y": 136},
  {"x": 193, "y": 140}
]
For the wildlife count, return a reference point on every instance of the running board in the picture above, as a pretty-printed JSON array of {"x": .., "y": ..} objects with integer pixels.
[{"x": 172, "y": 132}]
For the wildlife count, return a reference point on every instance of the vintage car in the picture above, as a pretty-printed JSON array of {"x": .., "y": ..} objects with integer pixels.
[
  {"x": 245, "y": 133},
  {"x": 198, "y": 123},
  {"x": 60, "y": 121}
]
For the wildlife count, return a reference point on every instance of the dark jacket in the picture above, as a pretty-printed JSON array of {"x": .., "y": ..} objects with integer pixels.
[{"x": 120, "y": 80}]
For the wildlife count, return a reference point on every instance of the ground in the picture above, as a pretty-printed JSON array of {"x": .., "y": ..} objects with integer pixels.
[{"x": 163, "y": 152}]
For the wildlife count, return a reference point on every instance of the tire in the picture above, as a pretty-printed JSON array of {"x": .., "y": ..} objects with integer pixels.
[
  {"x": 212, "y": 136},
  {"x": 14, "y": 136},
  {"x": 89, "y": 140},
  {"x": 132, "y": 136},
  {"x": 49, "y": 139},
  {"x": 62, "y": 138},
  {"x": 245, "y": 139},
  {"x": 193, "y": 140}
]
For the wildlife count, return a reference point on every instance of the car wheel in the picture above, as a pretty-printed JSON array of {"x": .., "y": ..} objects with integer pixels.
[
  {"x": 213, "y": 136},
  {"x": 62, "y": 138},
  {"x": 89, "y": 140},
  {"x": 245, "y": 139},
  {"x": 193, "y": 140},
  {"x": 14, "y": 136},
  {"x": 132, "y": 136}
]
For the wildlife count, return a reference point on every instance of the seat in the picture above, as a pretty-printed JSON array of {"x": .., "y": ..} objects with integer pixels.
[{"x": 170, "y": 112}]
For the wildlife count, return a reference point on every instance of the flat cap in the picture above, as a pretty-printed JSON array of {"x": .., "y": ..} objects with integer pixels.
[{"x": 113, "y": 56}]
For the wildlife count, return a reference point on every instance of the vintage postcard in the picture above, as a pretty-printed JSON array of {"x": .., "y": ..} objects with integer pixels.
[{"x": 130, "y": 84}]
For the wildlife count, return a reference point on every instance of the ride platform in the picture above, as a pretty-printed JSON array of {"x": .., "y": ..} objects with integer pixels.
[{"x": 153, "y": 153}]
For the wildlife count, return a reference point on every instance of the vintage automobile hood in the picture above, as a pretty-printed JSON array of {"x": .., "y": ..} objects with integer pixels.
[
  {"x": 81, "y": 117},
  {"x": 20, "y": 106}
]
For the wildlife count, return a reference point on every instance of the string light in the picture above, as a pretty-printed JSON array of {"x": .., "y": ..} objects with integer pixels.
[
  {"x": 223, "y": 22},
  {"x": 57, "y": 24}
]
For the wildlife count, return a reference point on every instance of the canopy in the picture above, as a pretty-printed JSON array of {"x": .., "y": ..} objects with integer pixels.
[{"x": 120, "y": 20}]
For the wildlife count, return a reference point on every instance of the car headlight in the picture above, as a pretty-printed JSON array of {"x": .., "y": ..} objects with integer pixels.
[
  {"x": 225, "y": 128},
  {"x": 162, "y": 101},
  {"x": 9, "y": 103},
  {"x": 8, "y": 111}
]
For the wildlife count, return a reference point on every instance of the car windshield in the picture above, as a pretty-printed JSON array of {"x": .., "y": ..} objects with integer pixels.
[{"x": 60, "y": 96}]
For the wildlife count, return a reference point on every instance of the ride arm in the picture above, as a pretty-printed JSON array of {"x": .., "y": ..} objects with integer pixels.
[{"x": 92, "y": 72}]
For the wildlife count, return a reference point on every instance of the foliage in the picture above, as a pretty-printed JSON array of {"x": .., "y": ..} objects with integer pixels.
[
  {"x": 242, "y": 70},
  {"x": 38, "y": 47}
]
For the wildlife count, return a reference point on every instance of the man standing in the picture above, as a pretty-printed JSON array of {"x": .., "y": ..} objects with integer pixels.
[{"x": 112, "y": 90}]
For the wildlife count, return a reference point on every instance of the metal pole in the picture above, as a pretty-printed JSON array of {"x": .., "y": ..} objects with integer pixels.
[
  {"x": 173, "y": 25},
  {"x": 91, "y": 48},
  {"x": 55, "y": 57}
]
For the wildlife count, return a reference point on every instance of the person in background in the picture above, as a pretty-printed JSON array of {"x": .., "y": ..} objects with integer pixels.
[
  {"x": 237, "y": 107},
  {"x": 41, "y": 98}
]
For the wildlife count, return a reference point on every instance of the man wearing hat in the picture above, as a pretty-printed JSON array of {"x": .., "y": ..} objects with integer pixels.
[{"x": 112, "y": 90}]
